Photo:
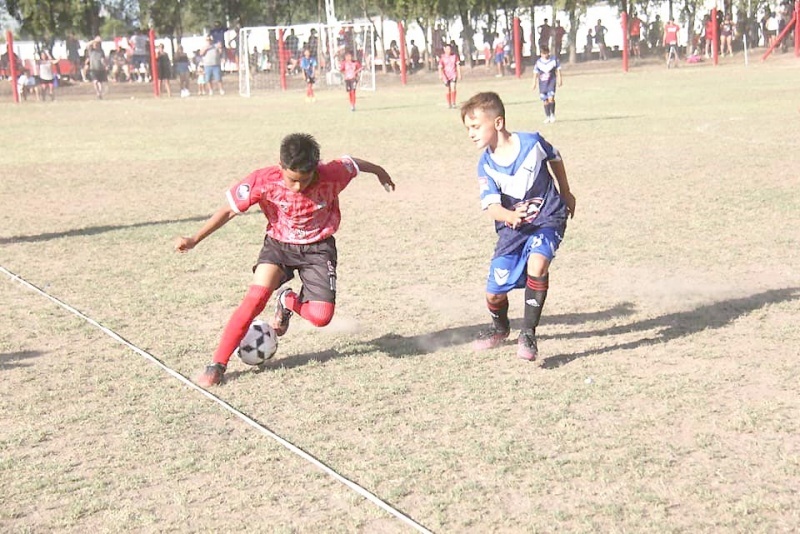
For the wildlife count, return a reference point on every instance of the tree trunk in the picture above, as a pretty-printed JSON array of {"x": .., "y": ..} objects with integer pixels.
[
  {"x": 573, "y": 35},
  {"x": 466, "y": 37},
  {"x": 534, "y": 40}
]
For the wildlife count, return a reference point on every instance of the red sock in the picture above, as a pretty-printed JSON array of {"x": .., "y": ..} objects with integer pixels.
[
  {"x": 448, "y": 98},
  {"x": 251, "y": 306},
  {"x": 454, "y": 97},
  {"x": 353, "y": 103}
]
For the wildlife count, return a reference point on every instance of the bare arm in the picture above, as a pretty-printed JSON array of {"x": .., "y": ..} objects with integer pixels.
[
  {"x": 214, "y": 223},
  {"x": 557, "y": 166},
  {"x": 377, "y": 170},
  {"x": 558, "y": 76}
]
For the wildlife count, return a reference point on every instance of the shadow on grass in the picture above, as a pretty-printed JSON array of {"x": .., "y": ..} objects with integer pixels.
[
  {"x": 674, "y": 325},
  {"x": 93, "y": 230},
  {"x": 398, "y": 346},
  {"x": 10, "y": 360}
]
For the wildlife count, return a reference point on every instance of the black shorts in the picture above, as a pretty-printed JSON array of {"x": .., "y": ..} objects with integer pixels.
[
  {"x": 98, "y": 75},
  {"x": 350, "y": 85},
  {"x": 315, "y": 263}
]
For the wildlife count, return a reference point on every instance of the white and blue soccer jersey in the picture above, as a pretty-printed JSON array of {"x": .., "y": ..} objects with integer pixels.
[
  {"x": 546, "y": 69},
  {"x": 526, "y": 181}
]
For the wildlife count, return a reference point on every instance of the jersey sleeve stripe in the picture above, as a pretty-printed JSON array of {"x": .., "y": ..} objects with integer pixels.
[
  {"x": 232, "y": 202},
  {"x": 355, "y": 165}
]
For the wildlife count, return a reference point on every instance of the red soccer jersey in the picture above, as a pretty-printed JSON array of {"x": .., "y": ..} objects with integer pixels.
[
  {"x": 299, "y": 218},
  {"x": 636, "y": 27},
  {"x": 449, "y": 66},
  {"x": 671, "y": 33},
  {"x": 350, "y": 69}
]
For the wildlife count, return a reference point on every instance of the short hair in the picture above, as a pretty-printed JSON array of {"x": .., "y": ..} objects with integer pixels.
[
  {"x": 488, "y": 102},
  {"x": 544, "y": 49},
  {"x": 299, "y": 152}
]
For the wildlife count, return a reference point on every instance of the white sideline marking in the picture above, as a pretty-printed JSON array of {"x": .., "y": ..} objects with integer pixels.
[{"x": 246, "y": 418}]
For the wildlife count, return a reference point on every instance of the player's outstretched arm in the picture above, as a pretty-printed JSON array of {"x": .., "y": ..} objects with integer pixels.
[
  {"x": 214, "y": 223},
  {"x": 557, "y": 166},
  {"x": 377, "y": 170}
]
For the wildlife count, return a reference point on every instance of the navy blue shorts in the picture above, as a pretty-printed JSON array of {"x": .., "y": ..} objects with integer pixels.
[{"x": 510, "y": 271}]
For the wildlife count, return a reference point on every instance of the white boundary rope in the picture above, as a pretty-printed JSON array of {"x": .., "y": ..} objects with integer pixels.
[{"x": 244, "y": 417}]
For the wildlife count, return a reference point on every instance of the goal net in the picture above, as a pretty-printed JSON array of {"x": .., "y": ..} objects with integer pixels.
[{"x": 269, "y": 56}]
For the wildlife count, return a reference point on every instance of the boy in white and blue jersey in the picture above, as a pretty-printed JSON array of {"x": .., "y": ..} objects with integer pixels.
[
  {"x": 547, "y": 72},
  {"x": 530, "y": 207}
]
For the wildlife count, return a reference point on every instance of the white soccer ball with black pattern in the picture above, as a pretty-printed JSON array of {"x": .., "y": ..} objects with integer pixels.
[{"x": 259, "y": 344}]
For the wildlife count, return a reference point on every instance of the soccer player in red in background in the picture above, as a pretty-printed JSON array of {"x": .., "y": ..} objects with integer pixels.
[
  {"x": 351, "y": 69},
  {"x": 300, "y": 199},
  {"x": 449, "y": 73}
]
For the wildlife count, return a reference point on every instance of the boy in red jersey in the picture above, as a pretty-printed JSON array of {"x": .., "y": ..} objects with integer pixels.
[
  {"x": 671, "y": 42},
  {"x": 449, "y": 73},
  {"x": 351, "y": 69},
  {"x": 300, "y": 199}
]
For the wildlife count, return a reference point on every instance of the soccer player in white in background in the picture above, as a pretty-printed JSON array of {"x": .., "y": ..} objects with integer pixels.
[
  {"x": 530, "y": 209},
  {"x": 547, "y": 72},
  {"x": 300, "y": 199}
]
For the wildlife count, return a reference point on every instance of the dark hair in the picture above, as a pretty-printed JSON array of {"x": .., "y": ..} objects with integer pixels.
[
  {"x": 487, "y": 102},
  {"x": 544, "y": 49},
  {"x": 299, "y": 152}
]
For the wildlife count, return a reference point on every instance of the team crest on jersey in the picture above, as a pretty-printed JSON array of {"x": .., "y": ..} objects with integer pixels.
[
  {"x": 349, "y": 165},
  {"x": 243, "y": 192},
  {"x": 501, "y": 276},
  {"x": 483, "y": 182}
]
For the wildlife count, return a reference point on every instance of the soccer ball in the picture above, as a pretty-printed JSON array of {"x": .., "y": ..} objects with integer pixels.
[{"x": 259, "y": 344}]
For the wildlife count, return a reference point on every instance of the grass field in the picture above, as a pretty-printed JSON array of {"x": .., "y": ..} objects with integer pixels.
[{"x": 666, "y": 395}]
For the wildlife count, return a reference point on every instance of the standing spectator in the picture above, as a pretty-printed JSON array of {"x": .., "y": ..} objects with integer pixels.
[
  {"x": 589, "y": 46},
  {"x": 708, "y": 35},
  {"x": 772, "y": 25},
  {"x": 201, "y": 80},
  {"x": 212, "y": 61},
  {"x": 558, "y": 37},
  {"x": 499, "y": 56},
  {"x": 545, "y": 32},
  {"x": 73, "y": 56},
  {"x": 635, "y": 34},
  {"x": 181, "y": 63},
  {"x": 671, "y": 42},
  {"x": 313, "y": 45},
  {"x": 487, "y": 55},
  {"x": 655, "y": 33},
  {"x": 46, "y": 67},
  {"x": 450, "y": 73},
  {"x": 415, "y": 57},
  {"x": 547, "y": 72},
  {"x": 726, "y": 36},
  {"x": 164, "y": 69},
  {"x": 600, "y": 39},
  {"x": 140, "y": 45},
  {"x": 96, "y": 63}
]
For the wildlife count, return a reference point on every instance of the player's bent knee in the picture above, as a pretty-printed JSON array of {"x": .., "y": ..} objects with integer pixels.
[{"x": 319, "y": 313}]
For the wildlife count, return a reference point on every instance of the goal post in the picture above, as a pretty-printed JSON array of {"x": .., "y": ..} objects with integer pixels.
[{"x": 269, "y": 56}]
